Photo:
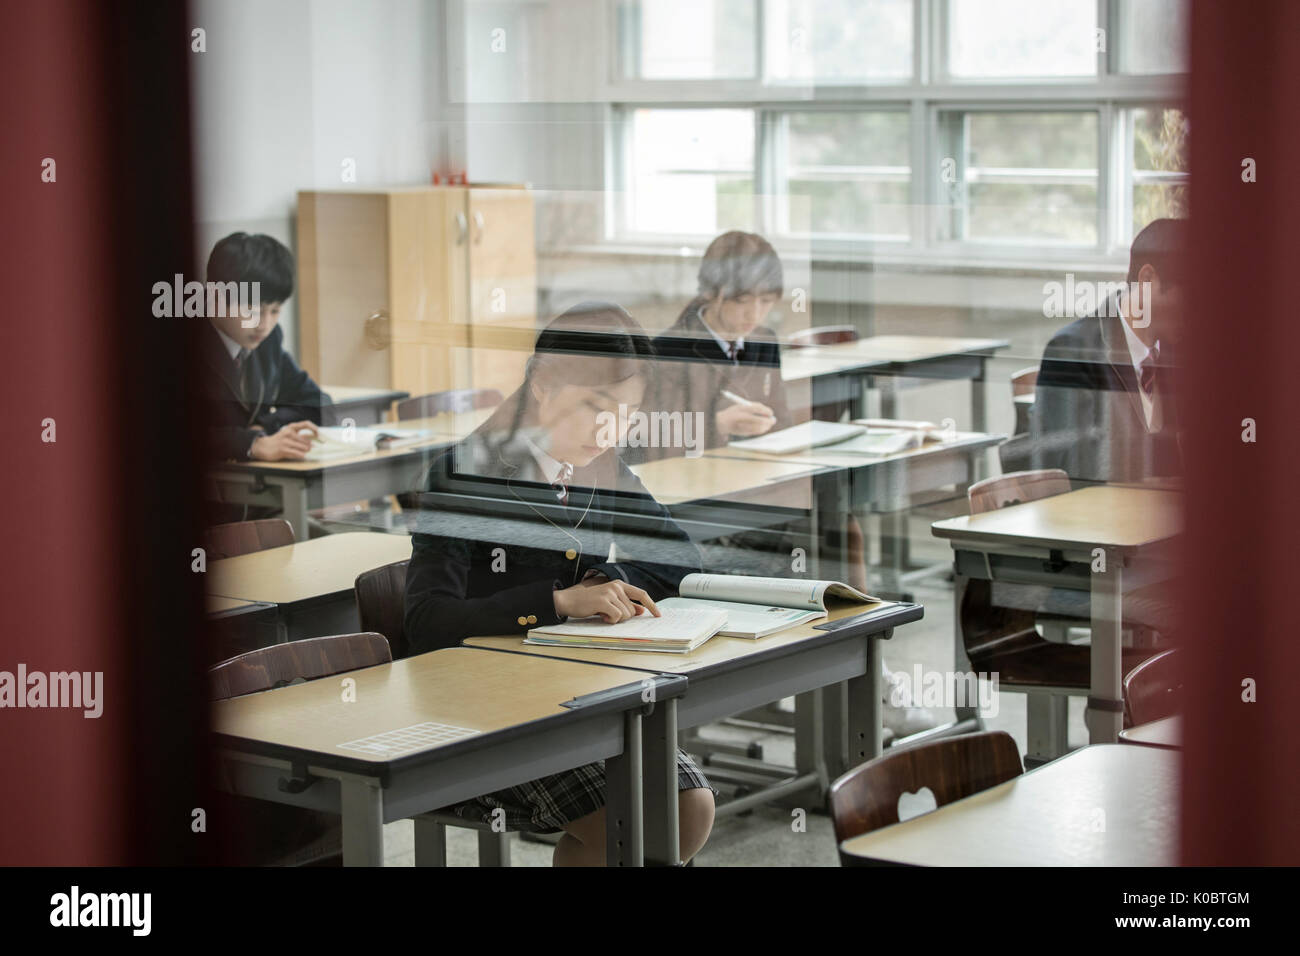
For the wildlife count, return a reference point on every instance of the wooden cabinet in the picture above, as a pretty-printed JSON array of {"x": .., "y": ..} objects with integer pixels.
[{"x": 422, "y": 289}]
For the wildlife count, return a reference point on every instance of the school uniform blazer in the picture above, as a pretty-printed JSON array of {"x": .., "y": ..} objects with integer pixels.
[
  {"x": 492, "y": 543},
  {"x": 692, "y": 372},
  {"x": 1087, "y": 416},
  {"x": 277, "y": 392}
]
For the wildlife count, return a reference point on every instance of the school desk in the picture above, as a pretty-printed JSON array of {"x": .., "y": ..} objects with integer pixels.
[
  {"x": 1166, "y": 733},
  {"x": 882, "y": 360},
  {"x": 310, "y": 582},
  {"x": 1057, "y": 542},
  {"x": 236, "y": 626},
  {"x": 1103, "y": 805},
  {"x": 729, "y": 675},
  {"x": 365, "y": 406},
  {"x": 423, "y": 733}
]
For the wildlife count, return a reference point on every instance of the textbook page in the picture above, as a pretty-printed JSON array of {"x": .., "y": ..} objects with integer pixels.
[
  {"x": 748, "y": 620},
  {"x": 813, "y": 434},
  {"x": 784, "y": 592},
  {"x": 676, "y": 625}
]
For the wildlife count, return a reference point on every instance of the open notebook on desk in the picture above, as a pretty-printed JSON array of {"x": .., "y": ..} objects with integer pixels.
[
  {"x": 871, "y": 437},
  {"x": 677, "y": 631},
  {"x": 336, "y": 442},
  {"x": 756, "y": 607}
]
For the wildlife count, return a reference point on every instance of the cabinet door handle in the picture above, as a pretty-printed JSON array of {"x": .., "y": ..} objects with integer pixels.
[
  {"x": 378, "y": 330},
  {"x": 462, "y": 229},
  {"x": 478, "y": 221}
]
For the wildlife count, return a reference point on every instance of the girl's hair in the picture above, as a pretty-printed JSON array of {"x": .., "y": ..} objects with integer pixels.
[
  {"x": 739, "y": 263},
  {"x": 591, "y": 344}
]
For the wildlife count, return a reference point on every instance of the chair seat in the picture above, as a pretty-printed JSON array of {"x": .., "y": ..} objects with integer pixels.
[{"x": 1028, "y": 660}]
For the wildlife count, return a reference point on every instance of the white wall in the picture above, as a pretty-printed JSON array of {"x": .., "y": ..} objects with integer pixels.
[{"x": 288, "y": 89}]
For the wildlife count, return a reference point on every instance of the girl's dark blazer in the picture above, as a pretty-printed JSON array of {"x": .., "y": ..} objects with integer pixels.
[{"x": 492, "y": 543}]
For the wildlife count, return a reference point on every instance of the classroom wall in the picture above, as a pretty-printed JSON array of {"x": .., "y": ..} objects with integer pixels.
[{"x": 289, "y": 89}]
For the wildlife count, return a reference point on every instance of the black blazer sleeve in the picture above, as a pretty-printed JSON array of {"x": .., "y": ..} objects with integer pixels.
[{"x": 439, "y": 614}]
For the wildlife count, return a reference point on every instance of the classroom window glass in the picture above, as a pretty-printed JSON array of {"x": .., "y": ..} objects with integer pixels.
[
  {"x": 837, "y": 41},
  {"x": 849, "y": 171},
  {"x": 1153, "y": 35},
  {"x": 691, "y": 171},
  {"x": 1159, "y": 172},
  {"x": 688, "y": 39},
  {"x": 995, "y": 39}
]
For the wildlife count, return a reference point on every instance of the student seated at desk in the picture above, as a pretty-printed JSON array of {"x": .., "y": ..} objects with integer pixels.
[
  {"x": 719, "y": 351},
  {"x": 1104, "y": 404},
  {"x": 550, "y": 493},
  {"x": 258, "y": 400}
]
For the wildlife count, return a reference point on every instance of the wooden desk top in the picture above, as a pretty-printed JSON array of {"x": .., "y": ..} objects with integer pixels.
[
  {"x": 475, "y": 691},
  {"x": 774, "y": 482},
  {"x": 1111, "y": 516},
  {"x": 717, "y": 652},
  {"x": 815, "y": 361},
  {"x": 1166, "y": 733},
  {"x": 305, "y": 570},
  {"x": 349, "y": 394},
  {"x": 1105, "y": 805},
  {"x": 895, "y": 349}
]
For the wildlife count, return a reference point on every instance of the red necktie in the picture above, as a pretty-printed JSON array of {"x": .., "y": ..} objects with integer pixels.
[{"x": 1147, "y": 371}]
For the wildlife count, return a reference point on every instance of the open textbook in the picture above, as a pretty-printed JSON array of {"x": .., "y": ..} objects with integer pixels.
[
  {"x": 864, "y": 436},
  {"x": 336, "y": 442},
  {"x": 677, "y": 631},
  {"x": 757, "y": 607}
]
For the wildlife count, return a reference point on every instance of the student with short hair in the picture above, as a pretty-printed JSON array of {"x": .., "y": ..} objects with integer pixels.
[
  {"x": 259, "y": 400},
  {"x": 527, "y": 521}
]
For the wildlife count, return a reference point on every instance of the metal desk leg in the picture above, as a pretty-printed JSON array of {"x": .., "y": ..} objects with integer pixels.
[
  {"x": 864, "y": 712},
  {"x": 888, "y": 386},
  {"x": 662, "y": 842},
  {"x": 835, "y": 703},
  {"x": 1105, "y": 716},
  {"x": 362, "y": 803},
  {"x": 624, "y": 817},
  {"x": 293, "y": 497},
  {"x": 978, "y": 413},
  {"x": 809, "y": 735}
]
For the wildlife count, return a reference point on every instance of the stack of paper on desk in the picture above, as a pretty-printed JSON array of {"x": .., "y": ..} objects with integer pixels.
[
  {"x": 336, "y": 442},
  {"x": 678, "y": 631}
]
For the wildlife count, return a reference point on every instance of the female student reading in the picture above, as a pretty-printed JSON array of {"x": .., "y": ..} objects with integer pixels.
[{"x": 527, "y": 522}]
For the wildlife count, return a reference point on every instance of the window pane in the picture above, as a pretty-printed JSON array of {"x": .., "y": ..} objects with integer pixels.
[
  {"x": 1159, "y": 165},
  {"x": 852, "y": 171},
  {"x": 1153, "y": 36},
  {"x": 1031, "y": 177},
  {"x": 1001, "y": 38},
  {"x": 838, "y": 40},
  {"x": 691, "y": 171},
  {"x": 688, "y": 39}
]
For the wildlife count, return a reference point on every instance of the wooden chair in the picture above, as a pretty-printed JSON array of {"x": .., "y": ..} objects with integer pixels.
[
  {"x": 245, "y": 537},
  {"x": 866, "y": 798},
  {"x": 454, "y": 400},
  {"x": 284, "y": 835},
  {"x": 1153, "y": 690},
  {"x": 381, "y": 596},
  {"x": 822, "y": 335},
  {"x": 1005, "y": 639}
]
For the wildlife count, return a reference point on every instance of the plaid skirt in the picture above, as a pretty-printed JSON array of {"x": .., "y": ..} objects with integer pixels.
[{"x": 545, "y": 805}]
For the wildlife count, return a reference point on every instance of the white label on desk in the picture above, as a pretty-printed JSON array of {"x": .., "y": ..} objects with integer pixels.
[{"x": 392, "y": 743}]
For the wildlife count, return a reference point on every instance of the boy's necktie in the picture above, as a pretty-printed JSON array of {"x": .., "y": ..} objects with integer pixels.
[{"x": 1147, "y": 371}]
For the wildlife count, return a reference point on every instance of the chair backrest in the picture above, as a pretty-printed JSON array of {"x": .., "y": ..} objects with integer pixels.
[
  {"x": 1016, "y": 488},
  {"x": 280, "y": 664},
  {"x": 1154, "y": 689},
  {"x": 866, "y": 798},
  {"x": 455, "y": 400},
  {"x": 822, "y": 335},
  {"x": 1024, "y": 381},
  {"x": 245, "y": 537},
  {"x": 381, "y": 595}
]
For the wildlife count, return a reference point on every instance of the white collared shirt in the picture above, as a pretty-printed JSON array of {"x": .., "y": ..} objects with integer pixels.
[
  {"x": 1138, "y": 351},
  {"x": 723, "y": 343},
  {"x": 549, "y": 466},
  {"x": 233, "y": 347}
]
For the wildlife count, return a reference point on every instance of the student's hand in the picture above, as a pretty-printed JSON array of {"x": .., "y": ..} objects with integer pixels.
[
  {"x": 614, "y": 601},
  {"x": 755, "y": 419},
  {"x": 284, "y": 445}
]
